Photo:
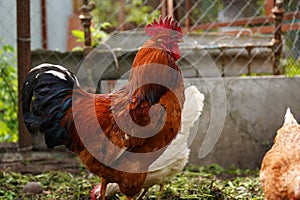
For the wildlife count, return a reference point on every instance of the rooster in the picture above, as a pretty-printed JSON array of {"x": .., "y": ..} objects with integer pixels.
[
  {"x": 117, "y": 136},
  {"x": 280, "y": 169},
  {"x": 176, "y": 156}
]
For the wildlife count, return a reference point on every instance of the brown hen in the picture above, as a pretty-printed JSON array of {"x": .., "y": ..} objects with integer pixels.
[{"x": 280, "y": 169}]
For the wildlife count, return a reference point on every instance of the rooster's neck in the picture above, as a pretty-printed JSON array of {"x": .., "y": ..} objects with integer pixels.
[{"x": 154, "y": 72}]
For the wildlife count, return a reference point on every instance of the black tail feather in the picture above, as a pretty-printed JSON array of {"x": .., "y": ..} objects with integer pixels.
[{"x": 46, "y": 98}]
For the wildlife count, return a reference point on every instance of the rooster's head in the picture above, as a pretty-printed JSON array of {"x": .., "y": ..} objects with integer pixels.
[{"x": 167, "y": 33}]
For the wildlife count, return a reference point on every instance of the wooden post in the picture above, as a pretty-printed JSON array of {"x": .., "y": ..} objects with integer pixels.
[
  {"x": 170, "y": 8},
  {"x": 44, "y": 24},
  {"x": 121, "y": 15},
  {"x": 163, "y": 8},
  {"x": 268, "y": 5},
  {"x": 187, "y": 19},
  {"x": 86, "y": 21},
  {"x": 24, "y": 63},
  {"x": 249, "y": 50},
  {"x": 277, "y": 40},
  {"x": 76, "y": 5}
]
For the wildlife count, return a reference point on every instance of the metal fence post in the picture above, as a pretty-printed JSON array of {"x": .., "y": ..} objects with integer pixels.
[
  {"x": 86, "y": 21},
  {"x": 121, "y": 18},
  {"x": 188, "y": 19},
  {"x": 163, "y": 8},
  {"x": 44, "y": 24},
  {"x": 24, "y": 63},
  {"x": 170, "y": 9},
  {"x": 278, "y": 12}
]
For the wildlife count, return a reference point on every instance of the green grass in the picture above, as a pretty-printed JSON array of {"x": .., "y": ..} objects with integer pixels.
[
  {"x": 291, "y": 67},
  {"x": 210, "y": 182},
  {"x": 8, "y": 95}
]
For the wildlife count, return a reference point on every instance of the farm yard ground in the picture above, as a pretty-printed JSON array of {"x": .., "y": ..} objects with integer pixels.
[{"x": 209, "y": 182}]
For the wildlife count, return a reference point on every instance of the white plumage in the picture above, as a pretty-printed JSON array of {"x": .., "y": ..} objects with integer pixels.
[{"x": 176, "y": 156}]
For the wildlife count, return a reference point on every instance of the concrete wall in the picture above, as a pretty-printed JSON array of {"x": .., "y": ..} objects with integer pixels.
[
  {"x": 240, "y": 117},
  {"x": 253, "y": 109}
]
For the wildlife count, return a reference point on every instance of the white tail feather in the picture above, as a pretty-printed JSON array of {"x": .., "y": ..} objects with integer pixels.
[
  {"x": 192, "y": 108},
  {"x": 289, "y": 118}
]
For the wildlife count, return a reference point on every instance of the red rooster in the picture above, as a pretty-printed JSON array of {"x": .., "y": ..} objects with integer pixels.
[{"x": 118, "y": 135}]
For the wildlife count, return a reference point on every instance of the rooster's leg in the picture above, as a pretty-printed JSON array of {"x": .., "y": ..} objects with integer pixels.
[
  {"x": 103, "y": 189},
  {"x": 161, "y": 188}
]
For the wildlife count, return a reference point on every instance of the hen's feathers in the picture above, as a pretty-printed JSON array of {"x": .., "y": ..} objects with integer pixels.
[
  {"x": 289, "y": 118},
  {"x": 288, "y": 134},
  {"x": 280, "y": 169},
  {"x": 175, "y": 157}
]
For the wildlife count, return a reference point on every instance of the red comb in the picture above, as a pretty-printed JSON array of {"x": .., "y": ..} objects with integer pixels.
[{"x": 158, "y": 26}]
